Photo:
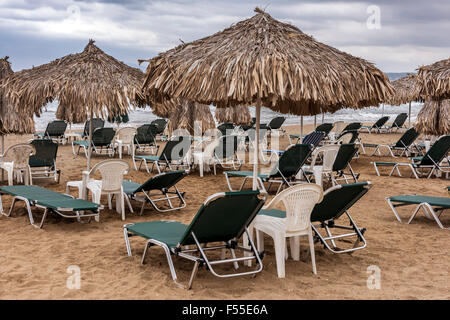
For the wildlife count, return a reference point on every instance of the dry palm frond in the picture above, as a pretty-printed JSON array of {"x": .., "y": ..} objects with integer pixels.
[
  {"x": 262, "y": 58},
  {"x": 238, "y": 115},
  {"x": 405, "y": 91},
  {"x": 191, "y": 116},
  {"x": 90, "y": 80},
  {"x": 433, "y": 81},
  {"x": 10, "y": 120},
  {"x": 434, "y": 118}
]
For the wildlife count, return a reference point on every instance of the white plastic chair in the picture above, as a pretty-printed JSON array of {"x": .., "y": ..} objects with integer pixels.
[
  {"x": 329, "y": 153},
  {"x": 299, "y": 201},
  {"x": 15, "y": 160},
  {"x": 112, "y": 172},
  {"x": 125, "y": 138}
]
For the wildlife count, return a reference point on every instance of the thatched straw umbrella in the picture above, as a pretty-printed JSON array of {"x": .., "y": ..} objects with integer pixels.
[
  {"x": 433, "y": 81},
  {"x": 90, "y": 82},
  {"x": 434, "y": 118},
  {"x": 264, "y": 62},
  {"x": 238, "y": 115},
  {"x": 405, "y": 91},
  {"x": 184, "y": 114}
]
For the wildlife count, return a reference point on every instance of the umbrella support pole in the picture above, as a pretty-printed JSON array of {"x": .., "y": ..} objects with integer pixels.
[{"x": 256, "y": 149}]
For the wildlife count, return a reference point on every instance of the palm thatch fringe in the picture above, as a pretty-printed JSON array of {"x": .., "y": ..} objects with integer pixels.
[
  {"x": 239, "y": 115},
  {"x": 434, "y": 118},
  {"x": 405, "y": 90},
  {"x": 83, "y": 81},
  {"x": 10, "y": 120},
  {"x": 433, "y": 81},
  {"x": 191, "y": 116},
  {"x": 262, "y": 58}
]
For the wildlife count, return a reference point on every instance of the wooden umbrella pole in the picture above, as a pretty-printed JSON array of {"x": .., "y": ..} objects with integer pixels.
[
  {"x": 409, "y": 116},
  {"x": 315, "y": 121},
  {"x": 301, "y": 126},
  {"x": 256, "y": 148},
  {"x": 90, "y": 141},
  {"x": 3, "y": 151},
  {"x": 323, "y": 117}
]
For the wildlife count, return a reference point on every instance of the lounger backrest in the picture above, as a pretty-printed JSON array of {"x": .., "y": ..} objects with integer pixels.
[
  {"x": 344, "y": 156},
  {"x": 162, "y": 181},
  {"x": 407, "y": 138},
  {"x": 96, "y": 123},
  {"x": 337, "y": 200},
  {"x": 348, "y": 136},
  {"x": 146, "y": 134},
  {"x": 437, "y": 152},
  {"x": 103, "y": 136},
  {"x": 276, "y": 123},
  {"x": 227, "y": 147},
  {"x": 380, "y": 122},
  {"x": 223, "y": 217},
  {"x": 324, "y": 127},
  {"x": 56, "y": 128},
  {"x": 176, "y": 149},
  {"x": 226, "y": 128},
  {"x": 160, "y": 125},
  {"x": 314, "y": 138},
  {"x": 352, "y": 126},
  {"x": 400, "y": 120},
  {"x": 45, "y": 155},
  {"x": 291, "y": 161}
]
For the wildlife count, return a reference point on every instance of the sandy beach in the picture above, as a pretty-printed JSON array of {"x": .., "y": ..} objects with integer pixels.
[{"x": 413, "y": 259}]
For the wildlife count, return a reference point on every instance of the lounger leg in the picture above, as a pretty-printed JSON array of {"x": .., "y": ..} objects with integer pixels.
[
  {"x": 394, "y": 210},
  {"x": 169, "y": 260},
  {"x": 43, "y": 218},
  {"x": 376, "y": 168},
  {"x": 193, "y": 274},
  {"x": 127, "y": 239},
  {"x": 414, "y": 171},
  {"x": 129, "y": 203}
]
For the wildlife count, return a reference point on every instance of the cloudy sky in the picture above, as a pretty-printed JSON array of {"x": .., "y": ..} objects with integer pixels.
[{"x": 397, "y": 35}]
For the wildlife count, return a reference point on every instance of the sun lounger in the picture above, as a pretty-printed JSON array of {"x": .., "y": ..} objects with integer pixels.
[
  {"x": 160, "y": 127},
  {"x": 274, "y": 124},
  {"x": 398, "y": 123},
  {"x": 50, "y": 201},
  {"x": 336, "y": 201},
  {"x": 403, "y": 145},
  {"x": 314, "y": 138},
  {"x": 431, "y": 160},
  {"x": 284, "y": 172},
  {"x": 96, "y": 123},
  {"x": 55, "y": 130},
  {"x": 174, "y": 154},
  {"x": 162, "y": 185},
  {"x": 223, "y": 218},
  {"x": 325, "y": 127},
  {"x": 377, "y": 126},
  {"x": 43, "y": 162},
  {"x": 430, "y": 206},
  {"x": 102, "y": 142},
  {"x": 145, "y": 138}
]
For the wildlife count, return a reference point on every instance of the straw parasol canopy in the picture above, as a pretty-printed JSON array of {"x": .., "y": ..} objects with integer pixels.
[
  {"x": 239, "y": 115},
  {"x": 10, "y": 120},
  {"x": 405, "y": 90},
  {"x": 194, "y": 117},
  {"x": 433, "y": 81},
  {"x": 166, "y": 108},
  {"x": 434, "y": 118},
  {"x": 263, "y": 59},
  {"x": 88, "y": 81}
]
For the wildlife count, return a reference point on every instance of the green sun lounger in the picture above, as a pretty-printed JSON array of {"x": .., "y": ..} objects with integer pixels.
[
  {"x": 336, "y": 201},
  {"x": 377, "y": 126},
  {"x": 430, "y": 161},
  {"x": 283, "y": 173},
  {"x": 218, "y": 225},
  {"x": 50, "y": 201},
  {"x": 431, "y": 206},
  {"x": 403, "y": 145},
  {"x": 162, "y": 185}
]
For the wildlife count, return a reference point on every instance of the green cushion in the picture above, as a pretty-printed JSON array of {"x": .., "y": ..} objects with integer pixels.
[
  {"x": 168, "y": 232},
  {"x": 417, "y": 199},
  {"x": 81, "y": 143},
  {"x": 245, "y": 174},
  {"x": 68, "y": 203},
  {"x": 148, "y": 158},
  {"x": 129, "y": 187},
  {"x": 40, "y": 134},
  {"x": 273, "y": 213},
  {"x": 417, "y": 159},
  {"x": 386, "y": 163}
]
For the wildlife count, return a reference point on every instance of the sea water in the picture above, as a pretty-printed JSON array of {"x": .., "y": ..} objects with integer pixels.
[{"x": 368, "y": 115}]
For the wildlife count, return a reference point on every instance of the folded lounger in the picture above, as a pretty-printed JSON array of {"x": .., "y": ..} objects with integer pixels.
[
  {"x": 161, "y": 184},
  {"x": 403, "y": 145},
  {"x": 336, "y": 201},
  {"x": 50, "y": 201},
  {"x": 431, "y": 160},
  {"x": 430, "y": 205},
  {"x": 284, "y": 172},
  {"x": 174, "y": 153},
  {"x": 377, "y": 126},
  {"x": 222, "y": 218}
]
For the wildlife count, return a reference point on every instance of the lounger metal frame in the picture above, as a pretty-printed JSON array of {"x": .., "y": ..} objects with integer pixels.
[
  {"x": 429, "y": 211},
  {"x": 201, "y": 250},
  {"x": 414, "y": 168}
]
